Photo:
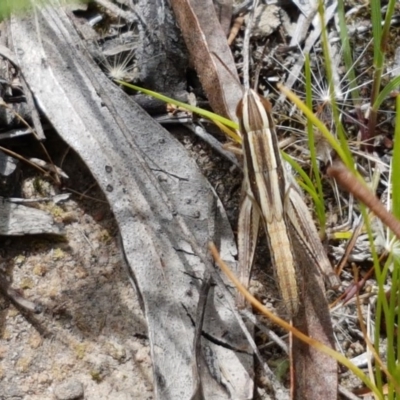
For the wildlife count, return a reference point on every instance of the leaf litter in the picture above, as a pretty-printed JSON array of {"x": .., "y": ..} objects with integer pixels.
[{"x": 348, "y": 335}]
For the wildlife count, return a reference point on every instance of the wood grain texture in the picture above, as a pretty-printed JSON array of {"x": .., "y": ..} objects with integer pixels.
[
  {"x": 208, "y": 46},
  {"x": 19, "y": 220},
  {"x": 152, "y": 186}
]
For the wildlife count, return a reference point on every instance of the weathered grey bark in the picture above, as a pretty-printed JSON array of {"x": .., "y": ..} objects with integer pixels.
[
  {"x": 161, "y": 53},
  {"x": 8, "y": 174},
  {"x": 19, "y": 220},
  {"x": 163, "y": 205}
]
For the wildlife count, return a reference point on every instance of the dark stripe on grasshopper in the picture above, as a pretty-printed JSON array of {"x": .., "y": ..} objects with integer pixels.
[{"x": 266, "y": 181}]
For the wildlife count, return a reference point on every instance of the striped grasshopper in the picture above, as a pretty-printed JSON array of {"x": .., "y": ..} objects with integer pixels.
[{"x": 269, "y": 196}]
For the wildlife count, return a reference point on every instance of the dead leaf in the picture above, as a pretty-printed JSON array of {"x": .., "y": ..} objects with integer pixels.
[
  {"x": 315, "y": 373},
  {"x": 19, "y": 220},
  {"x": 208, "y": 46},
  {"x": 154, "y": 190}
]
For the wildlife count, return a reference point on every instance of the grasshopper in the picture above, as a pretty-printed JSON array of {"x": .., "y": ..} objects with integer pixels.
[{"x": 270, "y": 196}]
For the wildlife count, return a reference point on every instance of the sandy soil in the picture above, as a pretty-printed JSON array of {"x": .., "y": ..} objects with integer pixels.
[{"x": 91, "y": 336}]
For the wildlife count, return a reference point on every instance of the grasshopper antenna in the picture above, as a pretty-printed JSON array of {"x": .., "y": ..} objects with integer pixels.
[
  {"x": 246, "y": 47},
  {"x": 259, "y": 66}
]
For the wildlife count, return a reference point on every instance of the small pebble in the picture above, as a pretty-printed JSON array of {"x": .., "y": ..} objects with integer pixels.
[
  {"x": 70, "y": 389},
  {"x": 142, "y": 356}
]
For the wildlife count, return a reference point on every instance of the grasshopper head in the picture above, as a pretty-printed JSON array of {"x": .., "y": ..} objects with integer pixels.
[{"x": 253, "y": 112}]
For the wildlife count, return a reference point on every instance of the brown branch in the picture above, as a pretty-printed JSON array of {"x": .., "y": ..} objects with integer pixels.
[{"x": 348, "y": 181}]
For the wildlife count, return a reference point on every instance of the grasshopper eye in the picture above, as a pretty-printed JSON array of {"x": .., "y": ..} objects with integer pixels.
[{"x": 239, "y": 110}]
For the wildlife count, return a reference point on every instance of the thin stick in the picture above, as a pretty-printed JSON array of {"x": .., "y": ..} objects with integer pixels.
[
  {"x": 348, "y": 181},
  {"x": 283, "y": 324},
  {"x": 246, "y": 47},
  {"x": 17, "y": 299},
  {"x": 198, "y": 392},
  {"x": 237, "y": 24}
]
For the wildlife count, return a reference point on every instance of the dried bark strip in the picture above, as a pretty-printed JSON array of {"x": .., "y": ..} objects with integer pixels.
[
  {"x": 150, "y": 183},
  {"x": 346, "y": 179},
  {"x": 19, "y": 220},
  {"x": 204, "y": 38}
]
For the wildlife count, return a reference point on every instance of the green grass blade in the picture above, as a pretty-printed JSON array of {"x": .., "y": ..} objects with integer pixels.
[
  {"x": 381, "y": 301},
  {"x": 7, "y": 8},
  {"x": 343, "y": 152},
  {"x": 388, "y": 22},
  {"x": 385, "y": 92},
  {"x": 306, "y": 183},
  {"x": 328, "y": 68},
  {"x": 395, "y": 189},
  {"x": 380, "y": 38},
  {"x": 387, "y": 311},
  {"x": 347, "y": 56},
  {"x": 204, "y": 113},
  {"x": 320, "y": 207},
  {"x": 396, "y": 163},
  {"x": 376, "y": 17},
  {"x": 390, "y": 321},
  {"x": 312, "y": 342},
  {"x": 379, "y": 54}
]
